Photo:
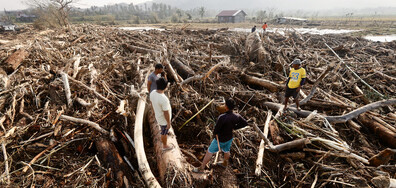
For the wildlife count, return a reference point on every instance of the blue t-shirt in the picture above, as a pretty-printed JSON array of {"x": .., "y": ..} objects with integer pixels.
[{"x": 153, "y": 78}]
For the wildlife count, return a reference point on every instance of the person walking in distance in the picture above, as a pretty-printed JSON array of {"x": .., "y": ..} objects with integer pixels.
[
  {"x": 162, "y": 110},
  {"x": 296, "y": 79}
]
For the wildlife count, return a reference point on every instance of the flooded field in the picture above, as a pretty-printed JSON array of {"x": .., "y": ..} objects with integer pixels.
[
  {"x": 383, "y": 38},
  {"x": 315, "y": 31}
]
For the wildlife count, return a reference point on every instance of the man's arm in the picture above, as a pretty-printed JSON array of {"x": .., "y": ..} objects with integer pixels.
[
  {"x": 167, "y": 118},
  {"x": 149, "y": 85},
  {"x": 241, "y": 123}
]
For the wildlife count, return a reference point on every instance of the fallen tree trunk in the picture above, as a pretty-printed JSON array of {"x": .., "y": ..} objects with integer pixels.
[
  {"x": 386, "y": 135},
  {"x": 337, "y": 119},
  {"x": 254, "y": 49},
  {"x": 355, "y": 113},
  {"x": 172, "y": 166},
  {"x": 137, "y": 49},
  {"x": 251, "y": 80},
  {"x": 144, "y": 167},
  {"x": 183, "y": 70},
  {"x": 14, "y": 60},
  {"x": 108, "y": 153}
]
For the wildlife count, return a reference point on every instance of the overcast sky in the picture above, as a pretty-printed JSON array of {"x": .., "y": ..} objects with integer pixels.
[{"x": 232, "y": 4}]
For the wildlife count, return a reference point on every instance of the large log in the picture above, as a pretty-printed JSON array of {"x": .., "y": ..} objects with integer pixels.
[
  {"x": 355, "y": 113},
  {"x": 109, "y": 155},
  {"x": 254, "y": 49},
  {"x": 336, "y": 119},
  {"x": 386, "y": 135},
  {"x": 144, "y": 167},
  {"x": 251, "y": 80},
  {"x": 183, "y": 70},
  {"x": 172, "y": 166},
  {"x": 259, "y": 161},
  {"x": 14, "y": 60}
]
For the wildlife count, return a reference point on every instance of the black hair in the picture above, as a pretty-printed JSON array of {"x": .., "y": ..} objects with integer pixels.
[
  {"x": 161, "y": 84},
  {"x": 159, "y": 66},
  {"x": 230, "y": 103}
]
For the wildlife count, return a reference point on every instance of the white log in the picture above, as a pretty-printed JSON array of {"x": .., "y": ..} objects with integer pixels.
[
  {"x": 144, "y": 166},
  {"x": 259, "y": 161},
  {"x": 90, "y": 89},
  {"x": 67, "y": 88},
  {"x": 83, "y": 121}
]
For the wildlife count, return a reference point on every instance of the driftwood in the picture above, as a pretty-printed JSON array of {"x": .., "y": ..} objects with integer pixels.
[
  {"x": 337, "y": 119},
  {"x": 355, "y": 113},
  {"x": 144, "y": 166},
  {"x": 90, "y": 89},
  {"x": 83, "y": 121},
  {"x": 251, "y": 80},
  {"x": 259, "y": 161},
  {"x": 14, "y": 60},
  {"x": 108, "y": 153},
  {"x": 34, "y": 97},
  {"x": 318, "y": 81},
  {"x": 292, "y": 145},
  {"x": 171, "y": 164},
  {"x": 138, "y": 49},
  {"x": 183, "y": 70},
  {"x": 385, "y": 135},
  {"x": 67, "y": 89},
  {"x": 353, "y": 72}
]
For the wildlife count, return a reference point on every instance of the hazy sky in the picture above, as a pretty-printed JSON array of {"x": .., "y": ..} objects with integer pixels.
[{"x": 233, "y": 4}]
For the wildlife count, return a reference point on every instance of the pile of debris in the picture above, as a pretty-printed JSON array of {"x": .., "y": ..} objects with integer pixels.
[{"x": 73, "y": 108}]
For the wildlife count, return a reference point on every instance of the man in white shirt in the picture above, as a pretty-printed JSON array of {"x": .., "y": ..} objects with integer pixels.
[{"x": 162, "y": 110}]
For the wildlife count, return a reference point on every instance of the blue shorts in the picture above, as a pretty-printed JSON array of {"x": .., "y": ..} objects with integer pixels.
[
  {"x": 164, "y": 130},
  {"x": 224, "y": 146}
]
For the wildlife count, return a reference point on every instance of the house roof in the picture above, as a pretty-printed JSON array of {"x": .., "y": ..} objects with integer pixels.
[{"x": 230, "y": 12}]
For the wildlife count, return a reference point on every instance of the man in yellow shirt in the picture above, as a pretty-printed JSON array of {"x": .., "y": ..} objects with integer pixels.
[{"x": 296, "y": 79}]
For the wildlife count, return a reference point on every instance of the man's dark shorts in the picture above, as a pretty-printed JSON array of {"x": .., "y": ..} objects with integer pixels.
[
  {"x": 164, "y": 130},
  {"x": 291, "y": 92}
]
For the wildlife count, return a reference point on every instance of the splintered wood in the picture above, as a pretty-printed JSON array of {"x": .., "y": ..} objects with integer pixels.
[{"x": 71, "y": 100}]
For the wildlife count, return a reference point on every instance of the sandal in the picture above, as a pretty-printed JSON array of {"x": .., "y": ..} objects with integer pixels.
[{"x": 167, "y": 149}]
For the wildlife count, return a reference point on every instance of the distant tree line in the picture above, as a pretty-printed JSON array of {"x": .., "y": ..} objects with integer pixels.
[{"x": 142, "y": 13}]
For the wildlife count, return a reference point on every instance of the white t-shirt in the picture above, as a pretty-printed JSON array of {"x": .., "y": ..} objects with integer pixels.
[{"x": 160, "y": 104}]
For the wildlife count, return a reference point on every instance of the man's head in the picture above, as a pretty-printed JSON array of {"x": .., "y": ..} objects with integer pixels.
[
  {"x": 230, "y": 104},
  {"x": 161, "y": 84},
  {"x": 296, "y": 63},
  {"x": 159, "y": 68}
]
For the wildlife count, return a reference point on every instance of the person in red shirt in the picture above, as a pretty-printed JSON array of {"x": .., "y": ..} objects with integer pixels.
[{"x": 265, "y": 26}]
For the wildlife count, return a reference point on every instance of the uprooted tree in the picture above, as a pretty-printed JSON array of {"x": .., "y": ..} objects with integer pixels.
[{"x": 52, "y": 13}]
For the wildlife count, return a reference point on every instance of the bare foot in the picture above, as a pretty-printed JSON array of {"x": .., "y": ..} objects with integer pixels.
[{"x": 298, "y": 109}]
